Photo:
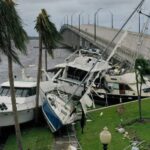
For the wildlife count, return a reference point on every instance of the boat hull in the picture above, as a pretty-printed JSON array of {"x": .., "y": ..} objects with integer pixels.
[
  {"x": 7, "y": 118},
  {"x": 52, "y": 119},
  {"x": 111, "y": 99}
]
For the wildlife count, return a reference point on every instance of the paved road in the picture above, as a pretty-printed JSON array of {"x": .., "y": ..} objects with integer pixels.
[{"x": 64, "y": 138}]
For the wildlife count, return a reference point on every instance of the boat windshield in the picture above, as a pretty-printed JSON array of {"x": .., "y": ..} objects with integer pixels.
[
  {"x": 76, "y": 74},
  {"x": 20, "y": 92}
]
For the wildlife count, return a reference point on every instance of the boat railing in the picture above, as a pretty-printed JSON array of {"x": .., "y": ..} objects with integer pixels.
[
  {"x": 70, "y": 80},
  {"x": 82, "y": 52},
  {"x": 72, "y": 56}
]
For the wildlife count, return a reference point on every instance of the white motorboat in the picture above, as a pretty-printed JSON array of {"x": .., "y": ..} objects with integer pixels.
[
  {"x": 75, "y": 78},
  {"x": 57, "y": 111},
  {"x": 113, "y": 89},
  {"x": 25, "y": 102},
  {"x": 78, "y": 68},
  {"x": 25, "y": 91}
]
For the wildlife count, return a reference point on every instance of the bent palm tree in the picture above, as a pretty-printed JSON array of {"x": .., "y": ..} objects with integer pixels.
[
  {"x": 49, "y": 36},
  {"x": 12, "y": 32},
  {"x": 141, "y": 68}
]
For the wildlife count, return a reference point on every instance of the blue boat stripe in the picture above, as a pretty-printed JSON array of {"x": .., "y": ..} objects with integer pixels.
[{"x": 51, "y": 116}]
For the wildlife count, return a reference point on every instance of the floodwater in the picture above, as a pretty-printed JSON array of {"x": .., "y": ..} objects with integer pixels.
[{"x": 31, "y": 59}]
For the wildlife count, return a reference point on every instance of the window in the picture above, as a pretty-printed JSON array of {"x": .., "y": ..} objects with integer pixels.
[
  {"x": 20, "y": 92},
  {"x": 146, "y": 90},
  {"x": 29, "y": 92},
  {"x": 1, "y": 90},
  {"x": 113, "y": 86},
  {"x": 25, "y": 93},
  {"x": 76, "y": 74},
  {"x": 128, "y": 88},
  {"x": 4, "y": 91}
]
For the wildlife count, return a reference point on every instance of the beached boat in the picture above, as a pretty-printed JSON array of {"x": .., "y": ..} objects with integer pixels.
[
  {"x": 78, "y": 68},
  {"x": 25, "y": 101},
  {"x": 57, "y": 111},
  {"x": 113, "y": 89},
  {"x": 25, "y": 91}
]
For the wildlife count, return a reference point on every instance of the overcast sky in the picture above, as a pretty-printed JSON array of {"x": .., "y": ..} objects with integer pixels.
[{"x": 58, "y": 9}]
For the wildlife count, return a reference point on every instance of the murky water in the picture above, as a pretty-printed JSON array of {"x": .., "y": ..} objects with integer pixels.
[{"x": 32, "y": 59}]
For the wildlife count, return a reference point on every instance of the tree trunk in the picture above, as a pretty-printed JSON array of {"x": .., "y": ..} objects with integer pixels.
[
  {"x": 46, "y": 63},
  {"x": 38, "y": 79},
  {"x": 13, "y": 100},
  {"x": 45, "y": 59},
  {"x": 140, "y": 105},
  {"x": 139, "y": 96}
]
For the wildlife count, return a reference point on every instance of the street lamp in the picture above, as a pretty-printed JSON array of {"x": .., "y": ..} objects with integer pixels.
[
  {"x": 64, "y": 20},
  {"x": 112, "y": 19},
  {"x": 95, "y": 14},
  {"x": 105, "y": 137},
  {"x": 144, "y": 14},
  {"x": 140, "y": 12},
  {"x": 88, "y": 18},
  {"x": 139, "y": 22},
  {"x": 80, "y": 20},
  {"x": 67, "y": 19}
]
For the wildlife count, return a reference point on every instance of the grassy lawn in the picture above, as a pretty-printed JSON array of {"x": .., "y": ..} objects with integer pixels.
[
  {"x": 111, "y": 118},
  {"x": 141, "y": 131},
  {"x": 36, "y": 138}
]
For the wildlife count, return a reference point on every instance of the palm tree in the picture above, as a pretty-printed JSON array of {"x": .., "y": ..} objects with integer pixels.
[
  {"x": 12, "y": 33},
  {"x": 141, "y": 68},
  {"x": 49, "y": 36}
]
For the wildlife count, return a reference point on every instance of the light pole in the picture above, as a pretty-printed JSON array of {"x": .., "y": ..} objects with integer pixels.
[
  {"x": 67, "y": 19},
  {"x": 80, "y": 20},
  {"x": 140, "y": 12},
  {"x": 105, "y": 137},
  {"x": 88, "y": 19},
  {"x": 64, "y": 20},
  {"x": 112, "y": 19},
  {"x": 139, "y": 22},
  {"x": 95, "y": 14},
  {"x": 144, "y": 14}
]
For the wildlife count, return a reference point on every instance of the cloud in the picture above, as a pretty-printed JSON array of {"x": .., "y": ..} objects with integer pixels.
[{"x": 57, "y": 9}]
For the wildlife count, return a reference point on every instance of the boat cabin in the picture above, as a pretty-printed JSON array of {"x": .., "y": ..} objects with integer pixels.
[{"x": 22, "y": 89}]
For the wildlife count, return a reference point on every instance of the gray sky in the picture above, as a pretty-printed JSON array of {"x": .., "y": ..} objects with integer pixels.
[{"x": 58, "y": 9}]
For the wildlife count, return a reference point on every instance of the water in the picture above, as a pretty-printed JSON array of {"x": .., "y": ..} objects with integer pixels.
[{"x": 32, "y": 59}]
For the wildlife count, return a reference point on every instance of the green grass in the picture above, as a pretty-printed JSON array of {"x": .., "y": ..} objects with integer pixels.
[
  {"x": 111, "y": 118},
  {"x": 36, "y": 138}
]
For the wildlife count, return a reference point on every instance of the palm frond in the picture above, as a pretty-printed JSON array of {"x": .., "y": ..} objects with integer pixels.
[
  {"x": 11, "y": 25},
  {"x": 48, "y": 31}
]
